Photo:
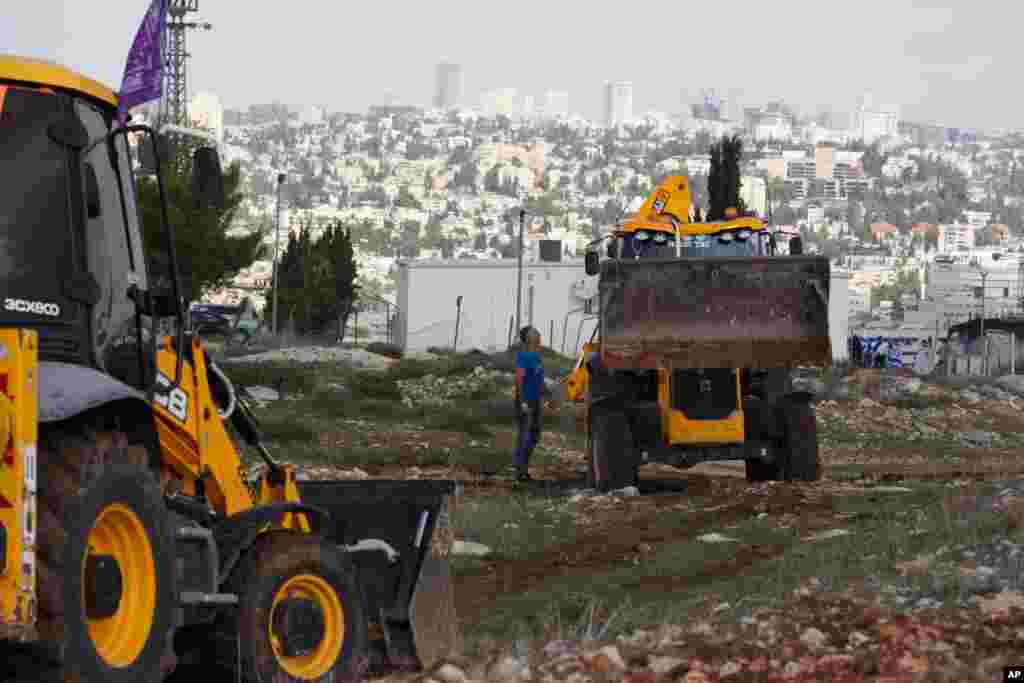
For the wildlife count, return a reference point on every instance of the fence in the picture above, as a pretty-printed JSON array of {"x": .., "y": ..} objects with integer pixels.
[
  {"x": 999, "y": 355},
  {"x": 373, "y": 319}
]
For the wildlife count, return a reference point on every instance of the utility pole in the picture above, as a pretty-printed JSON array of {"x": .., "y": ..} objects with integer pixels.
[
  {"x": 519, "y": 270},
  {"x": 277, "y": 243},
  {"x": 984, "y": 345}
]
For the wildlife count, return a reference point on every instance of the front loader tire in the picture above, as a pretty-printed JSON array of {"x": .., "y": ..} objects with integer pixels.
[
  {"x": 612, "y": 462},
  {"x": 797, "y": 456},
  {"x": 800, "y": 427},
  {"x": 98, "y": 497},
  {"x": 289, "y": 566}
]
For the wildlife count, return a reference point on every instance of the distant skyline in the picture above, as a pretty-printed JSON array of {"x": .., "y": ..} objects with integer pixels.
[{"x": 952, "y": 64}]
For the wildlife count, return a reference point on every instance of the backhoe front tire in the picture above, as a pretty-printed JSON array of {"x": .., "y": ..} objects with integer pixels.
[
  {"x": 283, "y": 577},
  {"x": 613, "y": 461},
  {"x": 98, "y": 498}
]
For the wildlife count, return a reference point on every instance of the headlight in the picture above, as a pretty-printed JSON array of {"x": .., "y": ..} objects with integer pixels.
[
  {"x": 726, "y": 237},
  {"x": 660, "y": 237},
  {"x": 642, "y": 236},
  {"x": 743, "y": 234}
]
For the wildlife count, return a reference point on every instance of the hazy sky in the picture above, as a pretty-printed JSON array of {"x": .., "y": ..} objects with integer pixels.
[{"x": 955, "y": 64}]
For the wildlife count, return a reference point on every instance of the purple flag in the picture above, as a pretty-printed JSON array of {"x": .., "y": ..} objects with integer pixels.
[{"x": 144, "y": 71}]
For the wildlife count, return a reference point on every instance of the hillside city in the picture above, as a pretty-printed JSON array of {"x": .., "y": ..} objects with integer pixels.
[{"x": 918, "y": 215}]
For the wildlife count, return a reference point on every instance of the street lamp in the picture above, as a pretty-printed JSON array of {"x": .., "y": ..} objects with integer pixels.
[
  {"x": 277, "y": 242},
  {"x": 519, "y": 270},
  {"x": 984, "y": 350}
]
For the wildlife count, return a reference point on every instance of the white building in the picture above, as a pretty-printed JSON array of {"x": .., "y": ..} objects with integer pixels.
[
  {"x": 754, "y": 193},
  {"x": 503, "y": 101},
  {"x": 860, "y": 300},
  {"x": 956, "y": 237},
  {"x": 556, "y": 104},
  {"x": 206, "y": 111},
  {"x": 618, "y": 103},
  {"x": 872, "y": 122},
  {"x": 554, "y": 300},
  {"x": 311, "y": 115}
]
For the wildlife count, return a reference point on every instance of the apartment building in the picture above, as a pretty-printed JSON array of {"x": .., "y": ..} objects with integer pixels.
[{"x": 956, "y": 237}]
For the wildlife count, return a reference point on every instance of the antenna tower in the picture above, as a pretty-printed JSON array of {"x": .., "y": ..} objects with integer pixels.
[{"x": 174, "y": 106}]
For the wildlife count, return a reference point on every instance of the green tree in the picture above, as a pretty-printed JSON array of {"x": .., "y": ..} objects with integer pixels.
[
  {"x": 467, "y": 175},
  {"x": 872, "y": 161},
  {"x": 492, "y": 179},
  {"x": 724, "y": 178},
  {"x": 407, "y": 200},
  {"x": 341, "y": 272},
  {"x": 545, "y": 205},
  {"x": 208, "y": 258},
  {"x": 289, "y": 283}
]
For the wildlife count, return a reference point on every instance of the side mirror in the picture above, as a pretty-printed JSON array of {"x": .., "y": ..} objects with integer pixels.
[
  {"x": 207, "y": 179},
  {"x": 613, "y": 249},
  {"x": 796, "y": 246},
  {"x": 592, "y": 263}
]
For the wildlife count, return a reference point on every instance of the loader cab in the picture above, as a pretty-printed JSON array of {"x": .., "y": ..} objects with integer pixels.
[
  {"x": 660, "y": 244},
  {"x": 71, "y": 240}
]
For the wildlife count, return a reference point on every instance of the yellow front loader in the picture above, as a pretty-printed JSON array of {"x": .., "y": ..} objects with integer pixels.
[
  {"x": 700, "y": 325},
  {"x": 132, "y": 544}
]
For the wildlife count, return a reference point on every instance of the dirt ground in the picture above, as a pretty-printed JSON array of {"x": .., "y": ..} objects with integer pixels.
[{"x": 715, "y": 497}]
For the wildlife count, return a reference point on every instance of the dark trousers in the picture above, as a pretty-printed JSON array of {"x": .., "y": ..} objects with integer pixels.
[{"x": 529, "y": 433}]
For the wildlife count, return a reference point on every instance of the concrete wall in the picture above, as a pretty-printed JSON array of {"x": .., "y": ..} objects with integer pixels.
[
  {"x": 427, "y": 292},
  {"x": 839, "y": 314}
]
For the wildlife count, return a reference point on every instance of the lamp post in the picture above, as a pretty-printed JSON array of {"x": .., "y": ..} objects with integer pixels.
[
  {"x": 984, "y": 350},
  {"x": 519, "y": 270},
  {"x": 984, "y": 345},
  {"x": 277, "y": 242}
]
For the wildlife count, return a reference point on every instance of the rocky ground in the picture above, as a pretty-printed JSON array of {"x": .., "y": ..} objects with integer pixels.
[{"x": 905, "y": 563}]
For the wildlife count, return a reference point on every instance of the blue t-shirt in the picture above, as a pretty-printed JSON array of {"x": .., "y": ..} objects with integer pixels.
[{"x": 533, "y": 380}]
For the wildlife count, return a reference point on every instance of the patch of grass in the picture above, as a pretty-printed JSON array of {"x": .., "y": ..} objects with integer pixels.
[
  {"x": 516, "y": 526},
  {"x": 920, "y": 402},
  {"x": 884, "y": 529},
  {"x": 283, "y": 428},
  {"x": 847, "y": 472},
  {"x": 297, "y": 378},
  {"x": 464, "y": 417}
]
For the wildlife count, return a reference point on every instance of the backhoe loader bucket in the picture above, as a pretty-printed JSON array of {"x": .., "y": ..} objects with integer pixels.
[
  {"x": 724, "y": 312},
  {"x": 399, "y": 535}
]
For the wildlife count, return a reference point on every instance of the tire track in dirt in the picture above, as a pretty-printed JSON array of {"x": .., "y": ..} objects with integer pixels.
[{"x": 630, "y": 532}]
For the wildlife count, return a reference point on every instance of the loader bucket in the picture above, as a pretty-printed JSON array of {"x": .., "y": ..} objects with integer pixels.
[
  {"x": 724, "y": 312},
  {"x": 409, "y": 601}
]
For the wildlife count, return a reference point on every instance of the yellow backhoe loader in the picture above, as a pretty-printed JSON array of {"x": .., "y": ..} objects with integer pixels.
[{"x": 131, "y": 539}]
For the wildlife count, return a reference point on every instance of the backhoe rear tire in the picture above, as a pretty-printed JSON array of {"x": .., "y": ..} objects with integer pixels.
[
  {"x": 289, "y": 568},
  {"x": 97, "y": 496},
  {"x": 613, "y": 462}
]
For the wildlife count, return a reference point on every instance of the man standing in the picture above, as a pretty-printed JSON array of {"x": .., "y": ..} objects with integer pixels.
[
  {"x": 883, "y": 354},
  {"x": 529, "y": 392}
]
